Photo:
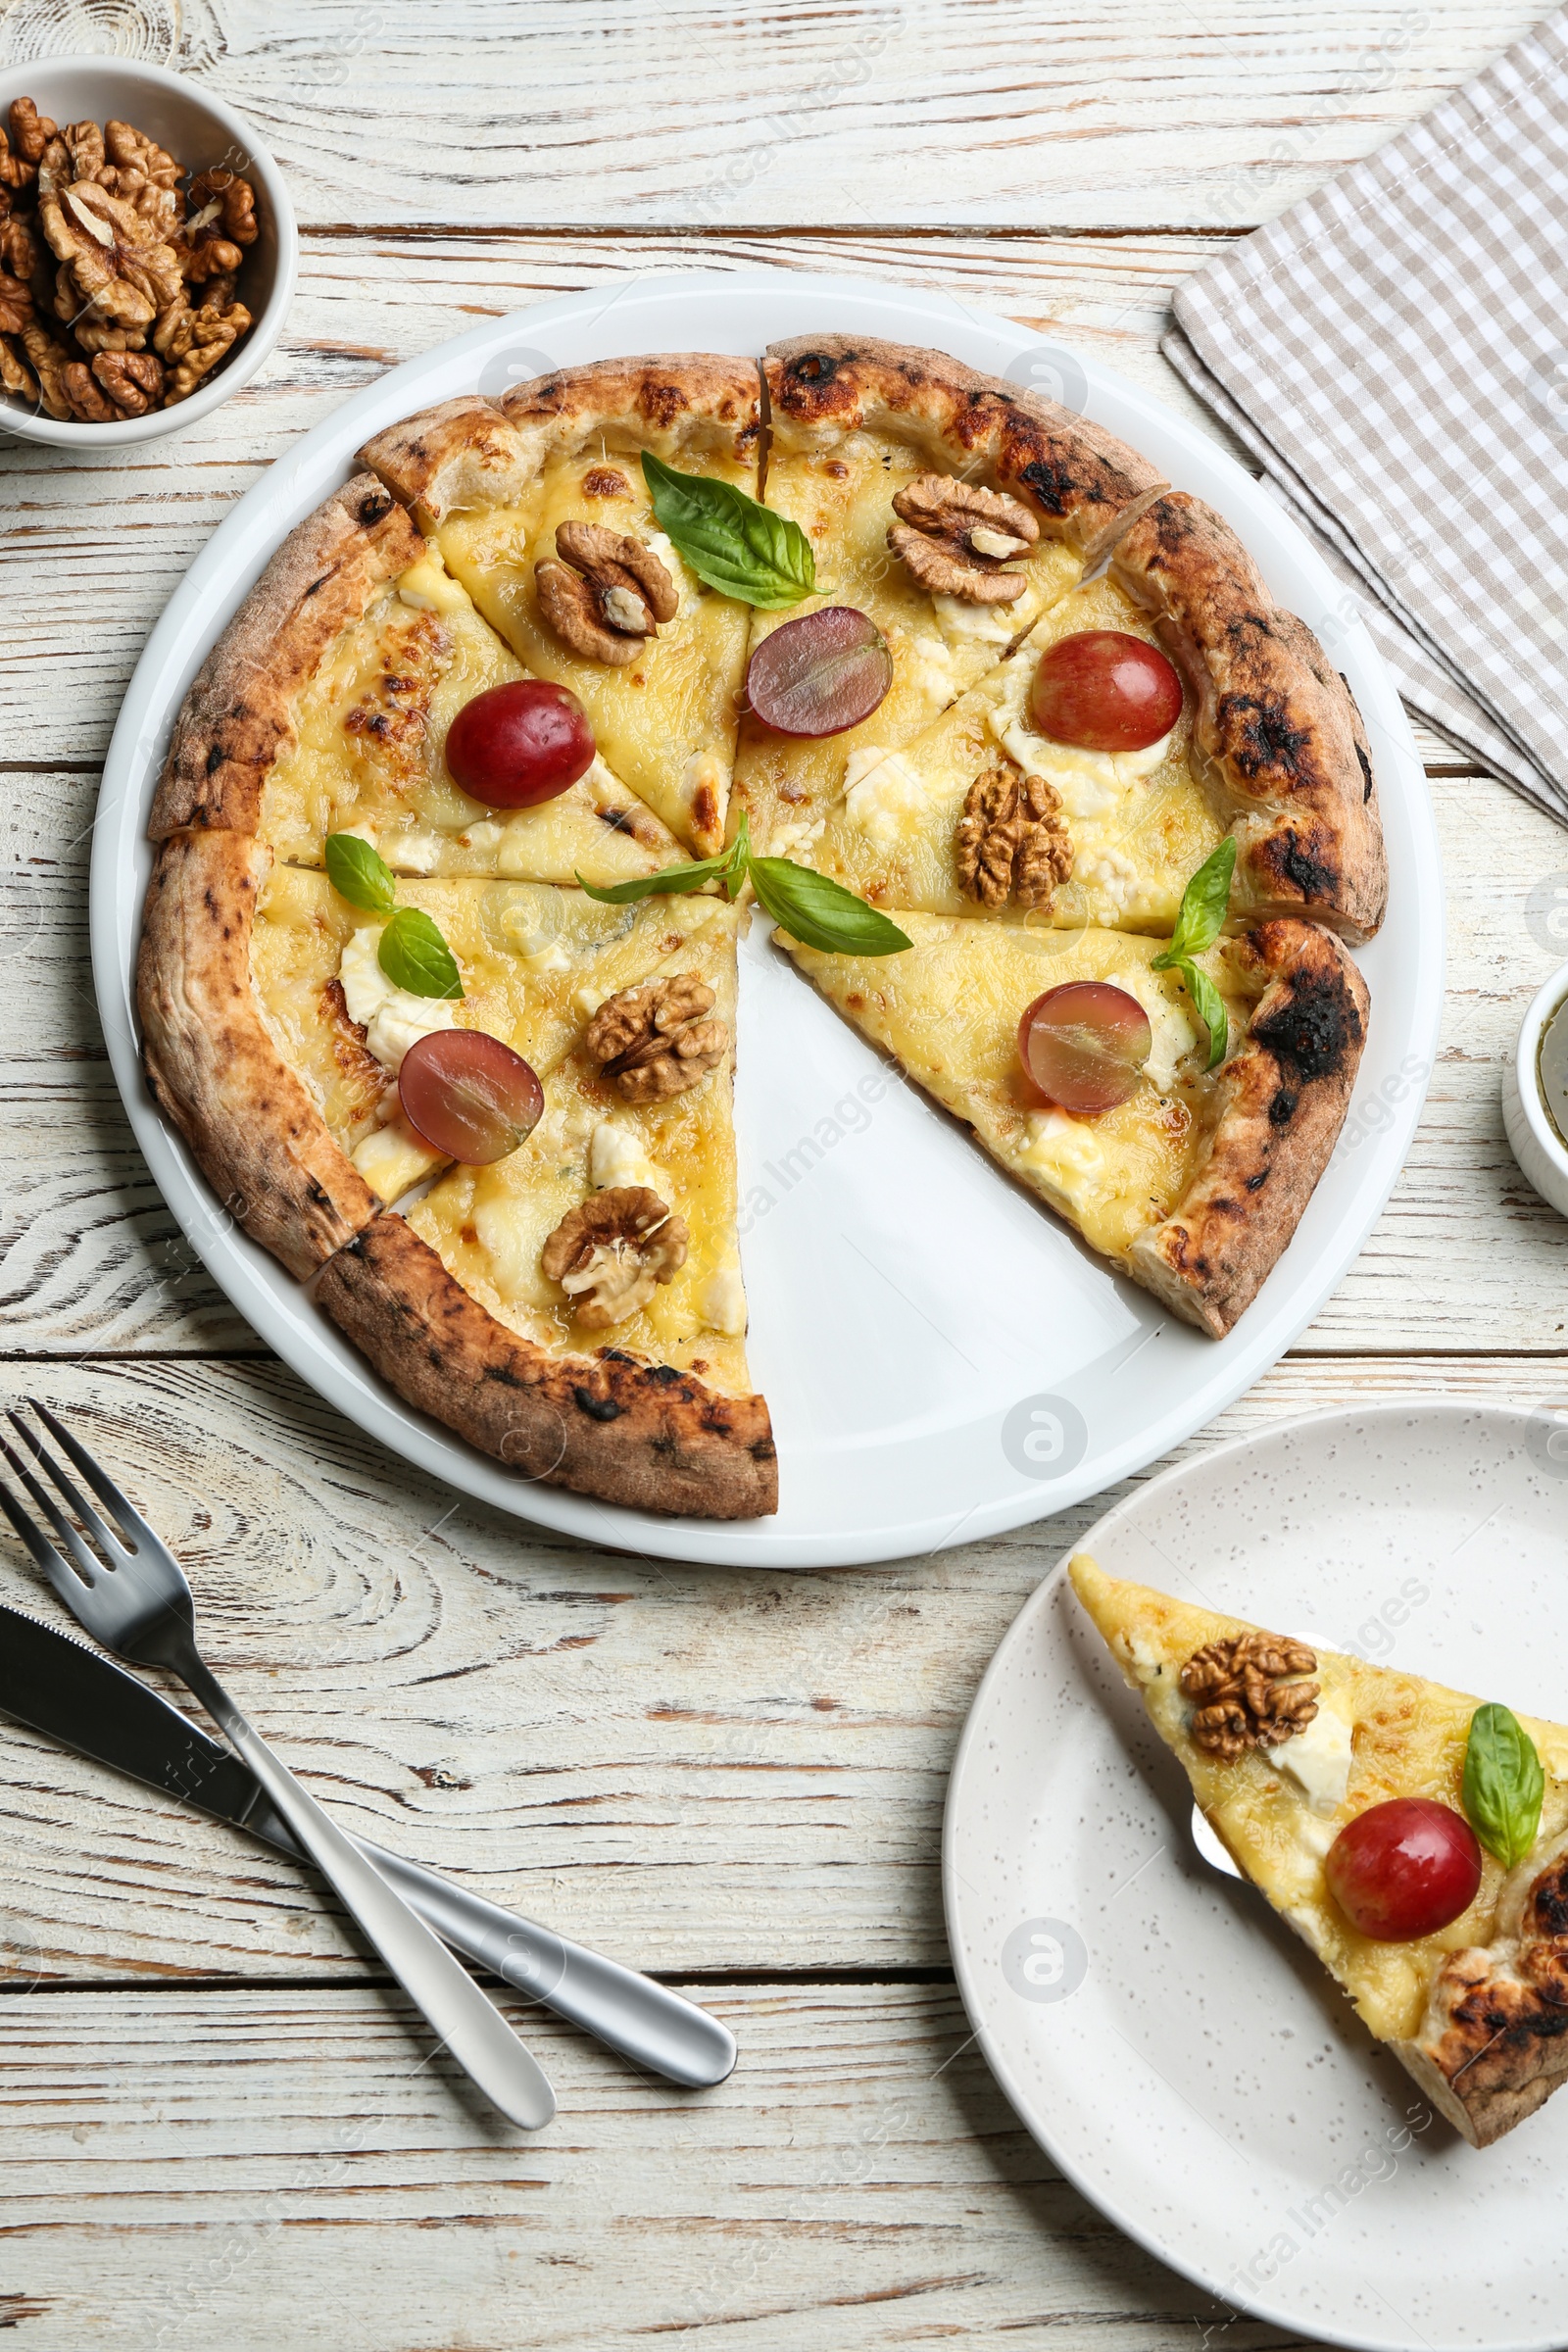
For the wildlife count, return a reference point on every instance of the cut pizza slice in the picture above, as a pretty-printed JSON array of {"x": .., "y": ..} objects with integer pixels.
[
  {"x": 949, "y": 508},
  {"x": 540, "y": 509},
  {"x": 1190, "y": 1180},
  {"x": 602, "y": 1350},
  {"x": 1291, "y": 1753},
  {"x": 326, "y": 705},
  {"x": 986, "y": 813}
]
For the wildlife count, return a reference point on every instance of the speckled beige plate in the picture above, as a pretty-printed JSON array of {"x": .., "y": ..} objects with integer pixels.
[{"x": 1182, "y": 2057}]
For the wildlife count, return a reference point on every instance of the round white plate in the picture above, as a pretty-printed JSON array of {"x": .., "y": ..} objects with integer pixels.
[
  {"x": 1186, "y": 2061},
  {"x": 942, "y": 1359}
]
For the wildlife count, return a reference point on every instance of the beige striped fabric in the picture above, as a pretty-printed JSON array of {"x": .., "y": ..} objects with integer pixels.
[{"x": 1393, "y": 353}]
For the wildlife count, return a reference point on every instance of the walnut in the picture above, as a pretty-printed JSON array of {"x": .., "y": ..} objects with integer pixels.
[
  {"x": 19, "y": 253},
  {"x": 197, "y": 341},
  {"x": 133, "y": 380},
  {"x": 655, "y": 1041},
  {"x": 607, "y": 594},
  {"x": 85, "y": 144},
  {"x": 1250, "y": 1693},
  {"x": 610, "y": 1254},
  {"x": 116, "y": 272},
  {"x": 231, "y": 202},
  {"x": 1011, "y": 842},
  {"x": 15, "y": 373},
  {"x": 49, "y": 362},
  {"x": 31, "y": 134},
  {"x": 131, "y": 150},
  {"x": 955, "y": 538},
  {"x": 16, "y": 305}
]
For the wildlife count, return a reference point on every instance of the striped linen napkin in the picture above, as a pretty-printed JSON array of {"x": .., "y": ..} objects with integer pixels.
[{"x": 1393, "y": 353}]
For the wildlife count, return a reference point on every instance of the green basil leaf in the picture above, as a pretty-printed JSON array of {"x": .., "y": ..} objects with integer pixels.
[
  {"x": 728, "y": 868},
  {"x": 730, "y": 541},
  {"x": 360, "y": 874},
  {"x": 1204, "y": 904},
  {"x": 414, "y": 956},
  {"x": 1209, "y": 1007},
  {"x": 1503, "y": 1785},
  {"x": 821, "y": 912}
]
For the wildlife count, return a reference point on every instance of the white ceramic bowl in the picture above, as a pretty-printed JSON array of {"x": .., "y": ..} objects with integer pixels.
[
  {"x": 1533, "y": 1139},
  {"x": 203, "y": 134}
]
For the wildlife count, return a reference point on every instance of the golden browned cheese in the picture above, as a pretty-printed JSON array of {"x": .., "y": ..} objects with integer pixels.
[
  {"x": 664, "y": 723},
  {"x": 1407, "y": 1738},
  {"x": 369, "y": 757}
]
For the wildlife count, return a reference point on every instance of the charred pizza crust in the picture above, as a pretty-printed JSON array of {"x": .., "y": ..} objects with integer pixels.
[
  {"x": 643, "y": 1435},
  {"x": 1493, "y": 2043},
  {"x": 1284, "y": 1098},
  {"x": 1275, "y": 727},
  {"x": 474, "y": 451},
  {"x": 1086, "y": 486}
]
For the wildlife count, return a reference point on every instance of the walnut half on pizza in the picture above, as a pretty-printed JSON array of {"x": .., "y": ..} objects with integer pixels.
[{"x": 1297, "y": 1756}]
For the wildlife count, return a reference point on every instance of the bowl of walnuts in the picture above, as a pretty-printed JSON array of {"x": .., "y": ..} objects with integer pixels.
[{"x": 147, "y": 251}]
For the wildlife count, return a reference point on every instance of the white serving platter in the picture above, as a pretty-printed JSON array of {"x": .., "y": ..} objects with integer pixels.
[
  {"x": 942, "y": 1359},
  {"x": 1184, "y": 2059}
]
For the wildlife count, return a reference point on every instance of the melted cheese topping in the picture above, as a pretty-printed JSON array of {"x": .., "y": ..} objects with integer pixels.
[
  {"x": 948, "y": 1008},
  {"x": 615, "y": 1157},
  {"x": 393, "y": 1018},
  {"x": 883, "y": 795}
]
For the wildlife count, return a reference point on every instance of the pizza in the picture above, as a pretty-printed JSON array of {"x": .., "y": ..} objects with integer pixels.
[
  {"x": 468, "y": 809},
  {"x": 1415, "y": 1838}
]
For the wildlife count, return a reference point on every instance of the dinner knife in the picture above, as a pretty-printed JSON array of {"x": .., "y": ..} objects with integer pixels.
[{"x": 76, "y": 1695}]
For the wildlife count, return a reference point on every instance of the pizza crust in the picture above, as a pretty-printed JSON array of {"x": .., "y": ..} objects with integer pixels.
[
  {"x": 479, "y": 453},
  {"x": 1285, "y": 1096},
  {"x": 645, "y": 1436},
  {"x": 1275, "y": 730},
  {"x": 212, "y": 1067},
  {"x": 1085, "y": 485},
  {"x": 237, "y": 718}
]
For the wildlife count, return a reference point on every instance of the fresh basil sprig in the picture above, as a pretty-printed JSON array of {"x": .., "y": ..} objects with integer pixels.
[
  {"x": 821, "y": 912},
  {"x": 411, "y": 951},
  {"x": 732, "y": 542},
  {"x": 360, "y": 874},
  {"x": 1204, "y": 903},
  {"x": 1503, "y": 1785},
  {"x": 414, "y": 956},
  {"x": 811, "y": 908}
]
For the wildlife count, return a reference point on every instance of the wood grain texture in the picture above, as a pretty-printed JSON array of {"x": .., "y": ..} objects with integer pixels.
[
  {"x": 693, "y": 1768},
  {"x": 897, "y": 113},
  {"x": 251, "y": 2170}
]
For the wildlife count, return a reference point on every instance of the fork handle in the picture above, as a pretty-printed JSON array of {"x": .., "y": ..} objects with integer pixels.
[
  {"x": 645, "y": 2021},
  {"x": 440, "y": 1988}
]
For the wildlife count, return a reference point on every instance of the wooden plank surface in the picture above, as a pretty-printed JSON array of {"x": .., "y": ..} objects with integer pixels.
[
  {"x": 905, "y": 113},
  {"x": 218, "y": 2125}
]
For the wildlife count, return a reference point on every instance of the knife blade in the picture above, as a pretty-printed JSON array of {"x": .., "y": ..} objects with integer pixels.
[{"x": 57, "y": 1685}]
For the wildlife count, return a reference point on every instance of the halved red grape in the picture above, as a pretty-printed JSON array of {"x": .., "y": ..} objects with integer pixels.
[
  {"x": 1083, "y": 1044},
  {"x": 819, "y": 674},
  {"x": 1105, "y": 692},
  {"x": 1405, "y": 1869},
  {"x": 468, "y": 1095},
  {"x": 520, "y": 744}
]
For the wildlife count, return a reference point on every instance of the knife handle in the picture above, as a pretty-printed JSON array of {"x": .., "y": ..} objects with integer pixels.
[{"x": 643, "y": 2020}]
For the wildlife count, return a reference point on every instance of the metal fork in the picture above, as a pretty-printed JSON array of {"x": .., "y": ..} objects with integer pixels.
[{"x": 141, "y": 1606}]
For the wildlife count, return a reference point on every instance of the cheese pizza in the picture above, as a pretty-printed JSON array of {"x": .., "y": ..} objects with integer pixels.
[
  {"x": 1417, "y": 1841},
  {"x": 470, "y": 802}
]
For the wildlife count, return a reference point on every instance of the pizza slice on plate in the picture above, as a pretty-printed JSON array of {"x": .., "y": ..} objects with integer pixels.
[
  {"x": 1190, "y": 1179},
  {"x": 326, "y": 708},
  {"x": 1246, "y": 729},
  {"x": 541, "y": 509},
  {"x": 942, "y": 507},
  {"x": 1417, "y": 1841}
]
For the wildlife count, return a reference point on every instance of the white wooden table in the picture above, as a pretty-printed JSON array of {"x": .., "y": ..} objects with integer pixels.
[{"x": 218, "y": 2127}]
